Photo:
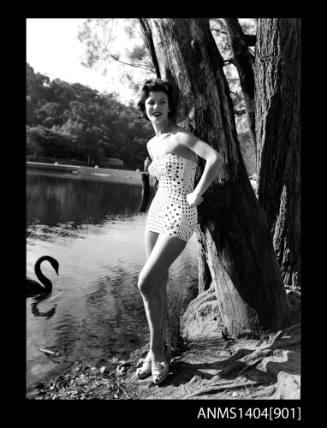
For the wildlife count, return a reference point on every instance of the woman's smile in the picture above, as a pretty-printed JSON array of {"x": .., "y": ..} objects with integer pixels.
[{"x": 156, "y": 114}]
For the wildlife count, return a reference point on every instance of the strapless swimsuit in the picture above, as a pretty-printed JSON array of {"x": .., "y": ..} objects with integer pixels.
[{"x": 170, "y": 212}]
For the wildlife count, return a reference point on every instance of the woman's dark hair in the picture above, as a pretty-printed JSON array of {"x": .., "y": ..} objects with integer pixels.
[{"x": 156, "y": 85}]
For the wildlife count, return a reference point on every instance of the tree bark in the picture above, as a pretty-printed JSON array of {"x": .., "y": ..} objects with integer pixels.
[
  {"x": 278, "y": 132},
  {"x": 235, "y": 235},
  {"x": 204, "y": 276},
  {"x": 244, "y": 62}
]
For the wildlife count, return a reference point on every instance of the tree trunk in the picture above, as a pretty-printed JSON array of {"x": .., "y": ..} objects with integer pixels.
[
  {"x": 278, "y": 132},
  {"x": 235, "y": 235},
  {"x": 204, "y": 276},
  {"x": 244, "y": 62},
  {"x": 145, "y": 192}
]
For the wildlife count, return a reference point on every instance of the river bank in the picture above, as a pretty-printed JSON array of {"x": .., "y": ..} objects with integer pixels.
[
  {"x": 206, "y": 366},
  {"x": 112, "y": 175}
]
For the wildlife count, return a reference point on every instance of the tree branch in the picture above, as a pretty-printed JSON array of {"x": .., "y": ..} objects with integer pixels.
[
  {"x": 128, "y": 63},
  {"x": 149, "y": 43},
  {"x": 115, "y": 57}
]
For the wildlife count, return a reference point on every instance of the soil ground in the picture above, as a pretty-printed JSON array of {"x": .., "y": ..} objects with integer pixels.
[{"x": 207, "y": 366}]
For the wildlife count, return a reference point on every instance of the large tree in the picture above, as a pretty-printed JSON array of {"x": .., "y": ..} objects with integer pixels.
[
  {"x": 273, "y": 104},
  {"x": 243, "y": 59},
  {"x": 278, "y": 134},
  {"x": 233, "y": 230}
]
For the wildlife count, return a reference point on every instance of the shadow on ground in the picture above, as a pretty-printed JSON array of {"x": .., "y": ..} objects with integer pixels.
[{"x": 215, "y": 368}]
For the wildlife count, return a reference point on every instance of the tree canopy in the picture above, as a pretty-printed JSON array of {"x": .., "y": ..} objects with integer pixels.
[
  {"x": 101, "y": 38},
  {"x": 86, "y": 126},
  {"x": 74, "y": 122}
]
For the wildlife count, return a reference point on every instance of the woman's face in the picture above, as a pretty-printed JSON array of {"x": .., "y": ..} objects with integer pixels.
[{"x": 156, "y": 106}]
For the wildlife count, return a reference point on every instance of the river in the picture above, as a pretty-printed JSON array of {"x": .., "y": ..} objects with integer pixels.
[{"x": 95, "y": 231}]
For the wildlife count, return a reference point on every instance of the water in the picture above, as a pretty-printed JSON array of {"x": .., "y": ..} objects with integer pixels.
[{"x": 95, "y": 231}]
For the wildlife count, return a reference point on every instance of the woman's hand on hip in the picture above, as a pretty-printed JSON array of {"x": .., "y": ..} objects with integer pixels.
[{"x": 193, "y": 199}]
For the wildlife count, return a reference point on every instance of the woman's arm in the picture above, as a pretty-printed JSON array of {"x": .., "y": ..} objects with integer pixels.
[
  {"x": 147, "y": 163},
  {"x": 149, "y": 150},
  {"x": 214, "y": 163},
  {"x": 148, "y": 159}
]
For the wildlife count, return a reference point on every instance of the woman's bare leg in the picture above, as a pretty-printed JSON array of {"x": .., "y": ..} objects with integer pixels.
[
  {"x": 151, "y": 280},
  {"x": 150, "y": 241}
]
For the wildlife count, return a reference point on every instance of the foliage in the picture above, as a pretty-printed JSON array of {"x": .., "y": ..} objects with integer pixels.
[
  {"x": 101, "y": 35},
  {"x": 76, "y": 122},
  {"x": 104, "y": 38},
  {"x": 72, "y": 121}
]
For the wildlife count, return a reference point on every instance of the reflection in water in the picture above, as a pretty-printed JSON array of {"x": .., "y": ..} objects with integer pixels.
[
  {"x": 55, "y": 200},
  {"x": 35, "y": 307},
  {"x": 95, "y": 232}
]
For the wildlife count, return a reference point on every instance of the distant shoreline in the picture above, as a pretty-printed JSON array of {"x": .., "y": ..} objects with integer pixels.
[{"x": 111, "y": 175}]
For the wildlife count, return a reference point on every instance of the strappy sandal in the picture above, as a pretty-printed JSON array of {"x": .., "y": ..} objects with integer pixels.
[
  {"x": 160, "y": 371},
  {"x": 143, "y": 367}
]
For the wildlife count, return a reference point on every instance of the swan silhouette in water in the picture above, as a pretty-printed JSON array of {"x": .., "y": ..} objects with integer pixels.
[
  {"x": 33, "y": 287},
  {"x": 35, "y": 307}
]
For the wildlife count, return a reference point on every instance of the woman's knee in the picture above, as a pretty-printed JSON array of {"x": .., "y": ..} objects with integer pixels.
[
  {"x": 147, "y": 284},
  {"x": 144, "y": 284}
]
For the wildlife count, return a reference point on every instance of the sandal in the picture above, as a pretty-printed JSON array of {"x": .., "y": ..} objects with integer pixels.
[
  {"x": 160, "y": 371},
  {"x": 145, "y": 369}
]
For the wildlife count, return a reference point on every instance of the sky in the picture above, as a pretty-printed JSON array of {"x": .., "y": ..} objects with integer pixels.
[{"x": 53, "y": 49}]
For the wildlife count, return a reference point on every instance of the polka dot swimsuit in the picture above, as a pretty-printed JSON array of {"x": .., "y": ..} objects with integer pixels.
[{"x": 170, "y": 212}]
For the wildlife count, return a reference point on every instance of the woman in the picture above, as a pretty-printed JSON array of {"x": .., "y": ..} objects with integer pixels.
[{"x": 172, "y": 216}]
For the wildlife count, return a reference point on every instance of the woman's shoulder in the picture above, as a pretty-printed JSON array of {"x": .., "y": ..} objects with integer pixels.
[
  {"x": 184, "y": 137},
  {"x": 149, "y": 144}
]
